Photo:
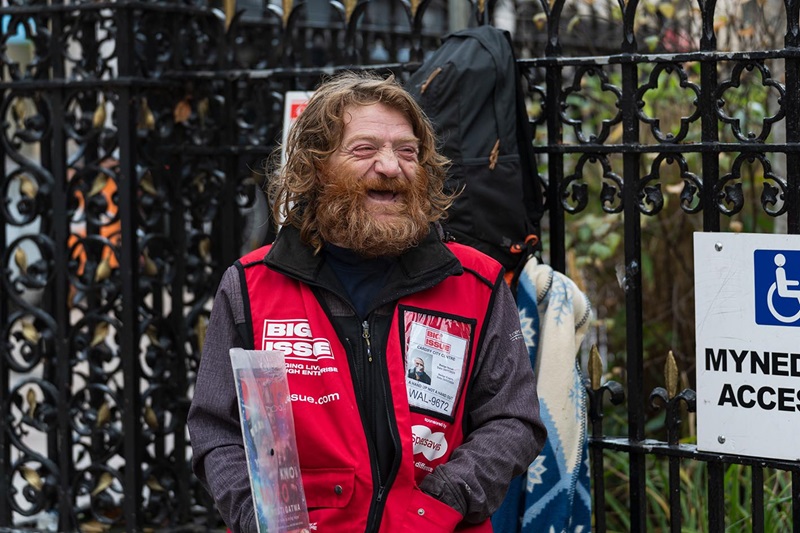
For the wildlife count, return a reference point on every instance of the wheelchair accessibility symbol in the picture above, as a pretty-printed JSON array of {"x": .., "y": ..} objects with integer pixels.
[{"x": 777, "y": 287}]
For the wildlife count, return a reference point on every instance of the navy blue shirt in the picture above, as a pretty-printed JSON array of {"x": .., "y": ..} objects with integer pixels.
[{"x": 362, "y": 278}]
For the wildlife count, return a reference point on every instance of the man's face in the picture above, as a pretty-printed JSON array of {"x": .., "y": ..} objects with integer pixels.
[
  {"x": 420, "y": 366},
  {"x": 374, "y": 194}
]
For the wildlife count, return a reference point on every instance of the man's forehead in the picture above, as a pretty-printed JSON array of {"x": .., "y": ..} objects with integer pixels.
[{"x": 375, "y": 118}]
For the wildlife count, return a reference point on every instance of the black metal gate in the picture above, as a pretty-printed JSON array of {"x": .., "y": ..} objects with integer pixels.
[{"x": 133, "y": 148}]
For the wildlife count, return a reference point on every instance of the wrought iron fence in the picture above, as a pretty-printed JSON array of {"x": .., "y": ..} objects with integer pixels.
[{"x": 133, "y": 149}]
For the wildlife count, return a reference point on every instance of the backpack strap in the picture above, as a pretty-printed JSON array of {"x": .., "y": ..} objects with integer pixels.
[{"x": 530, "y": 248}]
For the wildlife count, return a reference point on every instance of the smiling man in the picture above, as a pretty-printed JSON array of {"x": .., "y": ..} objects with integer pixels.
[{"x": 361, "y": 272}]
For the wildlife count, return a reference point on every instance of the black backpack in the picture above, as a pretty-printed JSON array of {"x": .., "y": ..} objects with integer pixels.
[{"x": 470, "y": 88}]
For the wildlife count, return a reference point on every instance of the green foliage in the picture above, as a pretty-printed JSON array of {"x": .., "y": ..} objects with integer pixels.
[
  {"x": 737, "y": 493},
  {"x": 594, "y": 237},
  {"x": 596, "y": 256}
]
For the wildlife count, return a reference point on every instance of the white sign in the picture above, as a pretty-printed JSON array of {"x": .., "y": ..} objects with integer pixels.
[
  {"x": 747, "y": 318},
  {"x": 294, "y": 103}
]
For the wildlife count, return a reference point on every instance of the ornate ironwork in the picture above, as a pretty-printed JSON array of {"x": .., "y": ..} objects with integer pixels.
[{"x": 137, "y": 136}]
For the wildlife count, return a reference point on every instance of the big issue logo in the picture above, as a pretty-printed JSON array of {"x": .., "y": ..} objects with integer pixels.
[{"x": 294, "y": 339}]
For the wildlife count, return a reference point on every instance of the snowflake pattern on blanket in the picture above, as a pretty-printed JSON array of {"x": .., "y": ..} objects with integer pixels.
[{"x": 554, "y": 494}]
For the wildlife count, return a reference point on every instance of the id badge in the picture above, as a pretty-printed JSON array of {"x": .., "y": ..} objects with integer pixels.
[{"x": 436, "y": 354}]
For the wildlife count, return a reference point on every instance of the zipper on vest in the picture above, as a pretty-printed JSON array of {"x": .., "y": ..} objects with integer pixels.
[
  {"x": 376, "y": 510},
  {"x": 365, "y": 334},
  {"x": 373, "y": 378},
  {"x": 358, "y": 384}
]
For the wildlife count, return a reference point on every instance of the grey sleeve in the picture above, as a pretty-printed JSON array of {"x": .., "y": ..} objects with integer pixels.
[
  {"x": 505, "y": 432},
  {"x": 218, "y": 455}
]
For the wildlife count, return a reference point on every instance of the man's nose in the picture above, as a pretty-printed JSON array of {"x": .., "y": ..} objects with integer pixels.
[{"x": 387, "y": 163}]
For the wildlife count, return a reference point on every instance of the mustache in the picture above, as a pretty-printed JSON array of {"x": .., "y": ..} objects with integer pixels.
[
  {"x": 365, "y": 185},
  {"x": 344, "y": 198},
  {"x": 343, "y": 219}
]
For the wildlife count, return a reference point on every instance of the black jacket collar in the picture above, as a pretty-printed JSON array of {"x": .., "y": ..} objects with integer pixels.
[{"x": 421, "y": 267}]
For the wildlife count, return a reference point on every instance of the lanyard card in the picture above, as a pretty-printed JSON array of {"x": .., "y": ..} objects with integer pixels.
[{"x": 436, "y": 355}]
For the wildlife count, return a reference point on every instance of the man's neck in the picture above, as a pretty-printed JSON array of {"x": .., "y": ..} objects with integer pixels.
[{"x": 362, "y": 278}]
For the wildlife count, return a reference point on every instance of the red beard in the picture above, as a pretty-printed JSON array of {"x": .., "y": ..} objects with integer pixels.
[{"x": 346, "y": 218}]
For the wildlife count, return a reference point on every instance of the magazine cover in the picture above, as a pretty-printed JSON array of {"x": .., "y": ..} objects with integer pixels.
[{"x": 265, "y": 410}]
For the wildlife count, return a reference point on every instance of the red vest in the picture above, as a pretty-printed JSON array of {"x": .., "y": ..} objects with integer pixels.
[{"x": 441, "y": 327}]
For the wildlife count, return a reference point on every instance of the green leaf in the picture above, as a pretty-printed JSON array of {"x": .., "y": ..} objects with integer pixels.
[{"x": 600, "y": 250}]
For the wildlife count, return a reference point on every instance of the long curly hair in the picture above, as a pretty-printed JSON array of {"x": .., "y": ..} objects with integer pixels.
[{"x": 318, "y": 133}]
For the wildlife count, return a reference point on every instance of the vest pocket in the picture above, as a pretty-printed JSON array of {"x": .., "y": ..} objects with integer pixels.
[
  {"x": 426, "y": 513},
  {"x": 328, "y": 487}
]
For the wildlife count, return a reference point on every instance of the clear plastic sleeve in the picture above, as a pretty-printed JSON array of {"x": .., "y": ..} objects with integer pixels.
[{"x": 265, "y": 410}]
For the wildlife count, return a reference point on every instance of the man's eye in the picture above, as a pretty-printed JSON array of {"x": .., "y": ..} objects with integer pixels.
[
  {"x": 408, "y": 152},
  {"x": 364, "y": 150}
]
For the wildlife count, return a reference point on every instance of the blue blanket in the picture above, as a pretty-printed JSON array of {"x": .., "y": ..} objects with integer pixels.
[{"x": 554, "y": 495}]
